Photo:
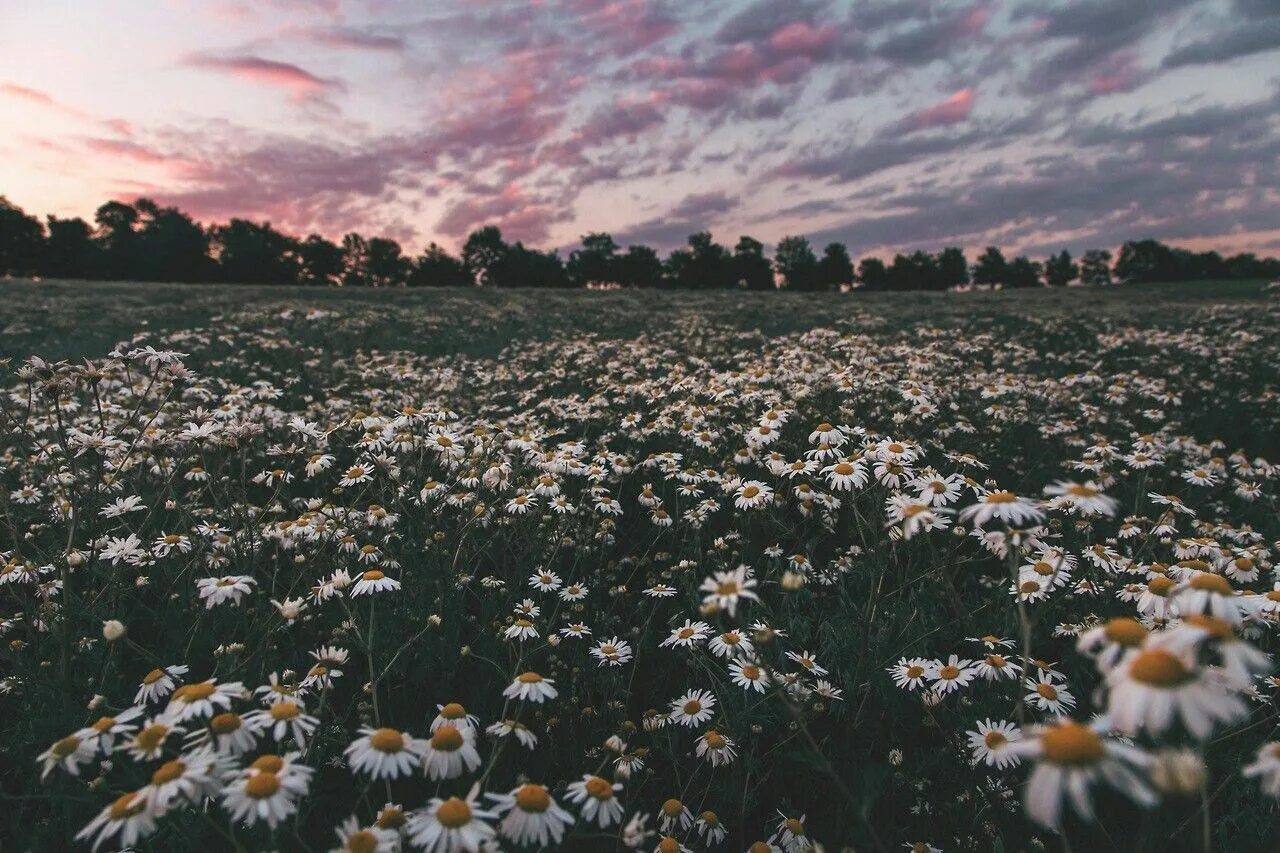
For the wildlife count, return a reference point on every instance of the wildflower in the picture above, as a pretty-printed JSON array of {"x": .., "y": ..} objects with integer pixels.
[
  {"x": 451, "y": 825},
  {"x": 994, "y": 743},
  {"x": 384, "y": 753},
  {"x": 531, "y": 816},
  {"x": 531, "y": 687},
  {"x": 597, "y": 800}
]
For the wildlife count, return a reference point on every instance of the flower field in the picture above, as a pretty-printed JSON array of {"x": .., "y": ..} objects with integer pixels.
[{"x": 986, "y": 572}]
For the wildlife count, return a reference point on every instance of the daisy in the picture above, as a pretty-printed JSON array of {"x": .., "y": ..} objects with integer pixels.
[
  {"x": 1071, "y": 758},
  {"x": 384, "y": 753},
  {"x": 545, "y": 581},
  {"x": 1266, "y": 764},
  {"x": 1210, "y": 594},
  {"x": 231, "y": 735},
  {"x": 993, "y": 667},
  {"x": 268, "y": 790},
  {"x": 130, "y": 817},
  {"x": 1002, "y": 506},
  {"x": 688, "y": 635},
  {"x": 531, "y": 816},
  {"x": 451, "y": 826},
  {"x": 731, "y": 644},
  {"x": 807, "y": 661},
  {"x": 597, "y": 800},
  {"x": 1084, "y": 498},
  {"x": 354, "y": 838},
  {"x": 846, "y": 475},
  {"x": 107, "y": 730},
  {"x": 993, "y": 744},
  {"x": 674, "y": 816},
  {"x": 910, "y": 673},
  {"x": 449, "y": 752},
  {"x": 69, "y": 753},
  {"x": 374, "y": 580},
  {"x": 531, "y": 687},
  {"x": 612, "y": 652},
  {"x": 752, "y": 494},
  {"x": 202, "y": 699},
  {"x": 215, "y": 591},
  {"x": 749, "y": 676},
  {"x": 503, "y": 728},
  {"x": 726, "y": 589},
  {"x": 149, "y": 742},
  {"x": 454, "y": 714},
  {"x": 952, "y": 675},
  {"x": 283, "y": 719},
  {"x": 1112, "y": 640},
  {"x": 1048, "y": 696},
  {"x": 1159, "y": 683},
  {"x": 192, "y": 778},
  {"x": 520, "y": 630},
  {"x": 576, "y": 630},
  {"x": 790, "y": 834},
  {"x": 693, "y": 708},
  {"x": 710, "y": 828},
  {"x": 716, "y": 748}
]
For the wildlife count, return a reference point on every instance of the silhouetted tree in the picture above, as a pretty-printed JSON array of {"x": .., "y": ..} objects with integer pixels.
[
  {"x": 835, "y": 269},
  {"x": 917, "y": 271},
  {"x": 1060, "y": 269},
  {"x": 796, "y": 264},
  {"x": 1145, "y": 260},
  {"x": 385, "y": 264},
  {"x": 1022, "y": 272},
  {"x": 21, "y": 240},
  {"x": 117, "y": 235},
  {"x": 990, "y": 267},
  {"x": 437, "y": 268},
  {"x": 252, "y": 253},
  {"x": 751, "y": 269},
  {"x": 640, "y": 267},
  {"x": 70, "y": 251},
  {"x": 596, "y": 262},
  {"x": 169, "y": 246},
  {"x": 355, "y": 261},
  {"x": 704, "y": 265},
  {"x": 523, "y": 267},
  {"x": 1095, "y": 267},
  {"x": 482, "y": 253},
  {"x": 953, "y": 267},
  {"x": 321, "y": 261},
  {"x": 872, "y": 274}
]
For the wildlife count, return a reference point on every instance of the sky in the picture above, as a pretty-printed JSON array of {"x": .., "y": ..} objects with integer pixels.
[{"x": 883, "y": 124}]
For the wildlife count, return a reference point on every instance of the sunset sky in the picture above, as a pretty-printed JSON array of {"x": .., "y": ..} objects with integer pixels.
[{"x": 884, "y": 124}]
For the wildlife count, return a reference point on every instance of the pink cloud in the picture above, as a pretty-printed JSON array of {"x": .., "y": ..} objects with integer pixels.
[
  {"x": 43, "y": 99},
  {"x": 800, "y": 38},
  {"x": 975, "y": 20},
  {"x": 1119, "y": 74},
  {"x": 519, "y": 215},
  {"x": 953, "y": 110},
  {"x": 300, "y": 83}
]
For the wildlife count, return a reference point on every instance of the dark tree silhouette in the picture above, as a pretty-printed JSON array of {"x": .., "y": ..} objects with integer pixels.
[
  {"x": 704, "y": 265},
  {"x": 1095, "y": 267},
  {"x": 437, "y": 268},
  {"x": 70, "y": 251},
  {"x": 1060, "y": 269},
  {"x": 991, "y": 267},
  {"x": 385, "y": 263},
  {"x": 1022, "y": 272},
  {"x": 751, "y": 269},
  {"x": 640, "y": 267},
  {"x": 320, "y": 261},
  {"x": 596, "y": 263},
  {"x": 872, "y": 274},
  {"x": 252, "y": 253},
  {"x": 482, "y": 253},
  {"x": 953, "y": 268},
  {"x": 170, "y": 245},
  {"x": 835, "y": 269},
  {"x": 21, "y": 240},
  {"x": 796, "y": 264},
  {"x": 117, "y": 235}
]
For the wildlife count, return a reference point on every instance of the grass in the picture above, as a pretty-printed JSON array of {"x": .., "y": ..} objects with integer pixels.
[{"x": 1020, "y": 390}]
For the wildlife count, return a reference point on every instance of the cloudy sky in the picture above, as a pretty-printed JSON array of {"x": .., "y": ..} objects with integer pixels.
[{"x": 881, "y": 123}]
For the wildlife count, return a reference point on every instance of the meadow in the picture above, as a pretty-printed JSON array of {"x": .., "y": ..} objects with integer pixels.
[{"x": 311, "y": 569}]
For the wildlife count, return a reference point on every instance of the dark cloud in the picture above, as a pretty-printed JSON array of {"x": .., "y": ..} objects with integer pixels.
[
  {"x": 1243, "y": 39},
  {"x": 693, "y": 213}
]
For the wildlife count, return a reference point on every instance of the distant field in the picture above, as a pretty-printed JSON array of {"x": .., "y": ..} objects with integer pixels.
[
  {"x": 639, "y": 570},
  {"x": 74, "y": 319}
]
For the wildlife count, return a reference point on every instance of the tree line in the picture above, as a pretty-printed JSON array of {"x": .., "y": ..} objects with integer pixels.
[{"x": 144, "y": 241}]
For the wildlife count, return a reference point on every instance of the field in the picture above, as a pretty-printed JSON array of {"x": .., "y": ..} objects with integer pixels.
[{"x": 284, "y": 568}]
